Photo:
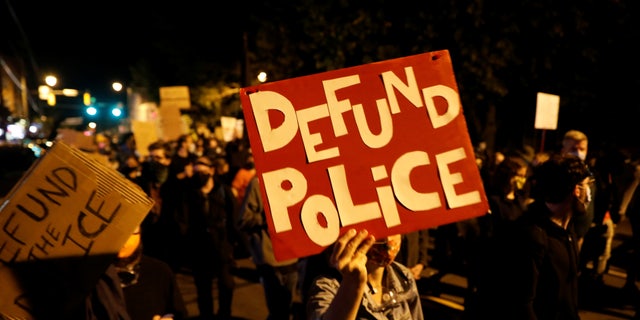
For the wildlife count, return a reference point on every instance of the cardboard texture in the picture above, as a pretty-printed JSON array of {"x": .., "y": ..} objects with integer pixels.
[
  {"x": 383, "y": 147},
  {"x": 61, "y": 226}
]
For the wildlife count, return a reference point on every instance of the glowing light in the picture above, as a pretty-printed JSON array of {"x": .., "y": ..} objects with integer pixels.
[
  {"x": 51, "y": 80},
  {"x": 117, "y": 86},
  {"x": 116, "y": 112},
  {"x": 70, "y": 92},
  {"x": 262, "y": 76},
  {"x": 43, "y": 92},
  {"x": 92, "y": 111}
]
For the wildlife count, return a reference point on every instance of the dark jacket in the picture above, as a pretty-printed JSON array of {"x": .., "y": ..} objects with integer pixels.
[
  {"x": 535, "y": 271},
  {"x": 155, "y": 293},
  {"x": 251, "y": 221},
  {"x": 414, "y": 248}
]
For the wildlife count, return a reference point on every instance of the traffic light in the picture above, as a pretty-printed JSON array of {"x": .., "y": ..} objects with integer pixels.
[
  {"x": 86, "y": 99},
  {"x": 92, "y": 111},
  {"x": 116, "y": 112},
  {"x": 51, "y": 99}
]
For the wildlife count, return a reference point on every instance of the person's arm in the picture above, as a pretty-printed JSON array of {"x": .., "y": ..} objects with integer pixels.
[
  {"x": 250, "y": 213},
  {"x": 186, "y": 173},
  {"x": 349, "y": 257},
  {"x": 423, "y": 245}
]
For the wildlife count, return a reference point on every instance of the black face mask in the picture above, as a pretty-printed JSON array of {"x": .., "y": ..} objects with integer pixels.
[
  {"x": 201, "y": 179},
  {"x": 159, "y": 172}
]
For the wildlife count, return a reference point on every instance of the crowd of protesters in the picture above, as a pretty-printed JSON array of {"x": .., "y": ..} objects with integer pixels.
[{"x": 557, "y": 211}]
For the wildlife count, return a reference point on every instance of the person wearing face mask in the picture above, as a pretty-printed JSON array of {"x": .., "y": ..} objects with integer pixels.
[
  {"x": 535, "y": 273},
  {"x": 507, "y": 203},
  {"x": 208, "y": 206},
  {"x": 279, "y": 279},
  {"x": 596, "y": 228},
  {"x": 159, "y": 236},
  {"x": 366, "y": 282},
  {"x": 576, "y": 143}
]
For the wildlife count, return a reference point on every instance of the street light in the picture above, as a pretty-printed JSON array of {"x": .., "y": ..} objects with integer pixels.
[
  {"x": 262, "y": 76},
  {"x": 117, "y": 86},
  {"x": 51, "y": 80},
  {"x": 48, "y": 93}
]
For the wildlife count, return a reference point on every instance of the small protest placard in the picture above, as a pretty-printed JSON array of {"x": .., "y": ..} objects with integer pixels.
[
  {"x": 382, "y": 147},
  {"x": 547, "y": 109},
  {"x": 61, "y": 226}
]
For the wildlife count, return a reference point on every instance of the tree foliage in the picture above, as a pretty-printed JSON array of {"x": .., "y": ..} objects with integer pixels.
[{"x": 503, "y": 54}]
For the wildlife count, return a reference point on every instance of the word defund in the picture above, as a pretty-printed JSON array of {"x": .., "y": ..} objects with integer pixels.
[
  {"x": 17, "y": 242},
  {"x": 338, "y": 208}
]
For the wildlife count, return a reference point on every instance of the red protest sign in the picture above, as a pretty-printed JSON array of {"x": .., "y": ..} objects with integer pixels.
[{"x": 382, "y": 146}]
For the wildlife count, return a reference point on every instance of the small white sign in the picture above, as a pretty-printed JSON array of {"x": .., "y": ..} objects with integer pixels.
[{"x": 547, "y": 109}]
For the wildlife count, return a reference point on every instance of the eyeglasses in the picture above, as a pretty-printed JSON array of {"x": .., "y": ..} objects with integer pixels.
[{"x": 384, "y": 244}]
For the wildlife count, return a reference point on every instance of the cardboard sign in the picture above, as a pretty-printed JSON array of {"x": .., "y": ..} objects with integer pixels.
[
  {"x": 382, "y": 147},
  {"x": 61, "y": 226},
  {"x": 547, "y": 109}
]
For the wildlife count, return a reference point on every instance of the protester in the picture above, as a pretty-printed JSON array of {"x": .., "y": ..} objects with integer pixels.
[
  {"x": 159, "y": 235},
  {"x": 208, "y": 204},
  {"x": 131, "y": 168},
  {"x": 243, "y": 177},
  {"x": 150, "y": 287},
  {"x": 595, "y": 229},
  {"x": 630, "y": 207},
  {"x": 278, "y": 278},
  {"x": 535, "y": 271},
  {"x": 414, "y": 252},
  {"x": 173, "y": 194},
  {"x": 369, "y": 284},
  {"x": 506, "y": 204},
  {"x": 576, "y": 143}
]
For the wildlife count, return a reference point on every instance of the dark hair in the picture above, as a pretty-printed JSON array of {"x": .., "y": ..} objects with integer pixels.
[
  {"x": 160, "y": 145},
  {"x": 556, "y": 178},
  {"x": 505, "y": 171}
]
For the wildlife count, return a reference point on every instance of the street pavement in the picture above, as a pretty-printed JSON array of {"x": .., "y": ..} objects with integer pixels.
[{"x": 445, "y": 298}]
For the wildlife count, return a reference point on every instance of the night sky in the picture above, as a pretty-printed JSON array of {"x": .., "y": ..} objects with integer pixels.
[{"x": 89, "y": 45}]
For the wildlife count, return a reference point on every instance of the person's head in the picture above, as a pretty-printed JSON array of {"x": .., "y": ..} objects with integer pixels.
[
  {"x": 132, "y": 244},
  {"x": 128, "y": 263},
  {"x": 564, "y": 178},
  {"x": 203, "y": 171},
  {"x": 575, "y": 142},
  {"x": 185, "y": 142},
  {"x": 160, "y": 152},
  {"x": 511, "y": 174},
  {"x": 221, "y": 165},
  {"x": 384, "y": 251},
  {"x": 213, "y": 143},
  {"x": 131, "y": 162},
  {"x": 539, "y": 158},
  {"x": 249, "y": 163}
]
